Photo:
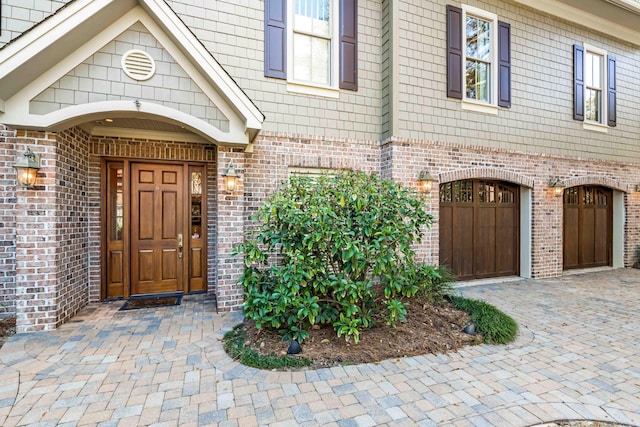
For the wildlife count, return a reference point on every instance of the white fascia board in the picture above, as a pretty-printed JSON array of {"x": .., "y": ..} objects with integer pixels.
[
  {"x": 630, "y": 5},
  {"x": 75, "y": 114},
  {"x": 185, "y": 38},
  {"x": 45, "y": 34},
  {"x": 581, "y": 17}
]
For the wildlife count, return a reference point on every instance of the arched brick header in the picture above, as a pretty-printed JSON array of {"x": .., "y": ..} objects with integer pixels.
[
  {"x": 499, "y": 174},
  {"x": 604, "y": 181}
]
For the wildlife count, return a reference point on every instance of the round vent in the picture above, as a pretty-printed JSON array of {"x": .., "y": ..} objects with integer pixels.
[{"x": 138, "y": 65}]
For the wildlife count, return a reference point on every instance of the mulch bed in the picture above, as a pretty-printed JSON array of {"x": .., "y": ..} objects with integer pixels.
[{"x": 429, "y": 329}]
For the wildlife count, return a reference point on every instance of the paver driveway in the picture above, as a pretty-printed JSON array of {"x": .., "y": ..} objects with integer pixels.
[{"x": 577, "y": 357}]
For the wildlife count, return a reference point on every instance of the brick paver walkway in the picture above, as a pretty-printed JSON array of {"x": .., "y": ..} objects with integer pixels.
[{"x": 577, "y": 357}]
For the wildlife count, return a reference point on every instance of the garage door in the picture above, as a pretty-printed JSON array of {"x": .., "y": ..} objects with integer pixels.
[
  {"x": 588, "y": 227},
  {"x": 479, "y": 228}
]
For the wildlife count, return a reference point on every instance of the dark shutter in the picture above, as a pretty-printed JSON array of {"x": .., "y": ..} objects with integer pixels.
[
  {"x": 611, "y": 91},
  {"x": 454, "y": 52},
  {"x": 578, "y": 82},
  {"x": 504, "y": 64},
  {"x": 349, "y": 44},
  {"x": 275, "y": 38}
]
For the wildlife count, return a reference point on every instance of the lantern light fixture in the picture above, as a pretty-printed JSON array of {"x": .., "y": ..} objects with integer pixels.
[
  {"x": 230, "y": 177},
  {"x": 27, "y": 167},
  {"x": 425, "y": 182},
  {"x": 557, "y": 184}
]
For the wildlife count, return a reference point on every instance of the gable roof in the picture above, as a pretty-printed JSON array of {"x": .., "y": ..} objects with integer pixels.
[{"x": 43, "y": 55}]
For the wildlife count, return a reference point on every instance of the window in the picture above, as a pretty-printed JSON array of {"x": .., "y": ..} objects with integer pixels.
[
  {"x": 593, "y": 71},
  {"x": 594, "y": 87},
  {"x": 478, "y": 59},
  {"x": 312, "y": 44},
  {"x": 312, "y": 50}
]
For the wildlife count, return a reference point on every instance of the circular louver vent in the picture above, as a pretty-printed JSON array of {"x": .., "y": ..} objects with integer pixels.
[{"x": 138, "y": 65}]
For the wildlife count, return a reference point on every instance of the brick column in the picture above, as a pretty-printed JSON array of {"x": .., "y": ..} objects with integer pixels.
[
  {"x": 7, "y": 223},
  {"x": 35, "y": 217},
  {"x": 547, "y": 251},
  {"x": 230, "y": 231}
]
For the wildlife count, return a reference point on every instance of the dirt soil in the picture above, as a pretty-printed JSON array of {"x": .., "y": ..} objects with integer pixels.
[
  {"x": 429, "y": 329},
  {"x": 7, "y": 328}
]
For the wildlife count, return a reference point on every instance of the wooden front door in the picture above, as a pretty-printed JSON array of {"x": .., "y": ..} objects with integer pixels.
[
  {"x": 155, "y": 228},
  {"x": 587, "y": 227},
  {"x": 480, "y": 228}
]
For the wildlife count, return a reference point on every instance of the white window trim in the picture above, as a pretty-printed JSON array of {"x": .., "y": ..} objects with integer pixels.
[
  {"x": 472, "y": 104},
  {"x": 590, "y": 124},
  {"x": 310, "y": 88}
]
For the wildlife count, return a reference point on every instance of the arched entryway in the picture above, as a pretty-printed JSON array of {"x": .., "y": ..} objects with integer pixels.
[
  {"x": 480, "y": 228},
  {"x": 587, "y": 227}
]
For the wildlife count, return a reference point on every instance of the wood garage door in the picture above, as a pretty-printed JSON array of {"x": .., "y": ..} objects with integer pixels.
[
  {"x": 480, "y": 228},
  {"x": 588, "y": 227}
]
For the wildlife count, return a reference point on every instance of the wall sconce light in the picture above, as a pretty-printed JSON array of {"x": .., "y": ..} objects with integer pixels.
[
  {"x": 558, "y": 185},
  {"x": 425, "y": 182},
  {"x": 27, "y": 167},
  {"x": 230, "y": 178}
]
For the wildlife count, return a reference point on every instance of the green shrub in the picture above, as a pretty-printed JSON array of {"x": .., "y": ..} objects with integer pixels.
[
  {"x": 495, "y": 326},
  {"x": 434, "y": 283},
  {"x": 344, "y": 246}
]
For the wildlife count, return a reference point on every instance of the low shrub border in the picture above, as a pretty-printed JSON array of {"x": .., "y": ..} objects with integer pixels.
[
  {"x": 494, "y": 326},
  {"x": 235, "y": 347}
]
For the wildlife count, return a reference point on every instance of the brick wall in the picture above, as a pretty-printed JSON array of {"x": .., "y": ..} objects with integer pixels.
[
  {"x": 7, "y": 222},
  {"x": 72, "y": 223}
]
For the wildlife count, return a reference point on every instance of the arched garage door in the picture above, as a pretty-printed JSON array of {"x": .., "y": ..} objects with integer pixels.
[
  {"x": 588, "y": 227},
  {"x": 480, "y": 228}
]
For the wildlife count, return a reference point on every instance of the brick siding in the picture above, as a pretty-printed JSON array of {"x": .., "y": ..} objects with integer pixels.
[{"x": 7, "y": 223}]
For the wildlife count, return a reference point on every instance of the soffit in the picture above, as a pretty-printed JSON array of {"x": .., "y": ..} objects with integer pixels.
[{"x": 617, "y": 18}]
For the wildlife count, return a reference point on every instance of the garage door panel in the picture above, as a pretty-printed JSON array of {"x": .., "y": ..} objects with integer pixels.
[
  {"x": 571, "y": 232},
  {"x": 485, "y": 253},
  {"x": 479, "y": 228},
  {"x": 462, "y": 261},
  {"x": 445, "y": 224},
  {"x": 507, "y": 230},
  {"x": 587, "y": 237},
  {"x": 601, "y": 237},
  {"x": 588, "y": 221}
]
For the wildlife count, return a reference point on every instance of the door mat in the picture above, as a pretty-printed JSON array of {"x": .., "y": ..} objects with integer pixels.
[{"x": 166, "y": 299}]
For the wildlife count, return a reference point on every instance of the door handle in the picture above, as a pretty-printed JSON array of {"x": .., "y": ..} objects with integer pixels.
[{"x": 180, "y": 241}]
